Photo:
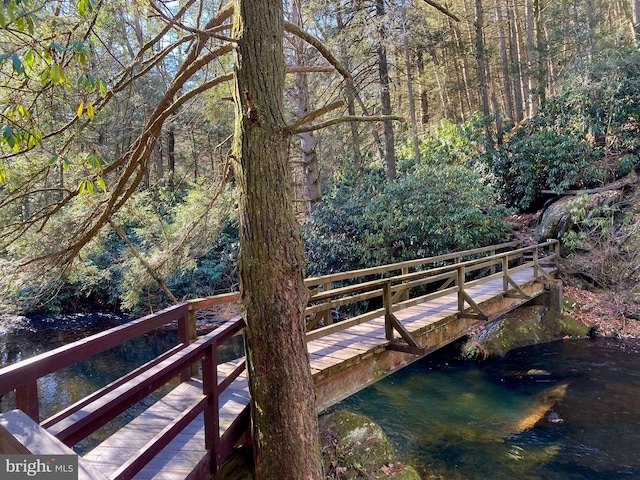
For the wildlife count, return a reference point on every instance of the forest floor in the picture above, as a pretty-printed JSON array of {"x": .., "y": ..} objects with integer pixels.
[{"x": 604, "y": 310}]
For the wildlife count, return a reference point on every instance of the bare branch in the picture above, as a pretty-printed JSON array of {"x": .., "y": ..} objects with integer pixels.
[
  {"x": 313, "y": 115},
  {"x": 309, "y": 69},
  {"x": 351, "y": 118},
  {"x": 442, "y": 9},
  {"x": 324, "y": 51},
  {"x": 143, "y": 262}
]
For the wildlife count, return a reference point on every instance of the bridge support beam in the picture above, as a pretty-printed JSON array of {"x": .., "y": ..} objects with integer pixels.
[{"x": 551, "y": 298}]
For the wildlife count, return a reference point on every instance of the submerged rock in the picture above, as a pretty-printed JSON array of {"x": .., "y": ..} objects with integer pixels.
[
  {"x": 356, "y": 447},
  {"x": 522, "y": 327}
]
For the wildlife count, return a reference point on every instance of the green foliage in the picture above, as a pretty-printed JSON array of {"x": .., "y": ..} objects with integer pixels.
[
  {"x": 537, "y": 158},
  {"x": 365, "y": 221}
]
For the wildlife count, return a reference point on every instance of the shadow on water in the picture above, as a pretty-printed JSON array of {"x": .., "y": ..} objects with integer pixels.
[
  {"x": 562, "y": 410},
  {"x": 24, "y": 337}
]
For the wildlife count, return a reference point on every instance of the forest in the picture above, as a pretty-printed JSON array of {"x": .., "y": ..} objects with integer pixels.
[
  {"x": 154, "y": 151},
  {"x": 418, "y": 128}
]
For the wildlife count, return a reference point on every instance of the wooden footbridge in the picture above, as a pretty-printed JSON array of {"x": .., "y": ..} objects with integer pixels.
[{"x": 363, "y": 325}]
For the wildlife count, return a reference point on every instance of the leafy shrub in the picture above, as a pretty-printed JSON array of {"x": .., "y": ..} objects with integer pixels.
[
  {"x": 538, "y": 158},
  {"x": 365, "y": 221}
]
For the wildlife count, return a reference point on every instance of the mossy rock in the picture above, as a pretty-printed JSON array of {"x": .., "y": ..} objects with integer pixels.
[
  {"x": 522, "y": 327},
  {"x": 356, "y": 447}
]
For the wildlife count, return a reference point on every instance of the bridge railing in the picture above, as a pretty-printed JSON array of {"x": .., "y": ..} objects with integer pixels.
[
  {"x": 321, "y": 286},
  {"x": 394, "y": 292},
  {"x": 77, "y": 421}
]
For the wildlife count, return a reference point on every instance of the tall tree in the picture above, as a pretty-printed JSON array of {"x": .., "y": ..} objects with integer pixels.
[
  {"x": 385, "y": 94},
  {"x": 271, "y": 257}
]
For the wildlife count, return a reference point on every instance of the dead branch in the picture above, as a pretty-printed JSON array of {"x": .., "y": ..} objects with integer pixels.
[
  {"x": 442, "y": 9},
  {"x": 142, "y": 261},
  {"x": 334, "y": 121},
  {"x": 322, "y": 49},
  {"x": 313, "y": 115},
  {"x": 309, "y": 69}
]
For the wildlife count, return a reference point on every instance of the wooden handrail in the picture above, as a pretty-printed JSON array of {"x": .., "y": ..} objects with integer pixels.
[
  {"x": 402, "y": 283},
  {"x": 335, "y": 277}
]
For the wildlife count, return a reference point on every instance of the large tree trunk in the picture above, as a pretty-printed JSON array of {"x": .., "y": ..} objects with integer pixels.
[
  {"x": 532, "y": 77},
  {"x": 482, "y": 71},
  {"x": 271, "y": 257},
  {"x": 412, "y": 106},
  {"x": 514, "y": 49},
  {"x": 504, "y": 62}
]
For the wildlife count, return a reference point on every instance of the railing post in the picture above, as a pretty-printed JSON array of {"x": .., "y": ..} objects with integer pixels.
[
  {"x": 505, "y": 273},
  {"x": 492, "y": 253},
  {"x": 27, "y": 400},
  {"x": 212, "y": 412},
  {"x": 535, "y": 262},
  {"x": 192, "y": 333},
  {"x": 388, "y": 310},
  {"x": 186, "y": 335},
  {"x": 405, "y": 294},
  {"x": 461, "y": 274},
  {"x": 328, "y": 319}
]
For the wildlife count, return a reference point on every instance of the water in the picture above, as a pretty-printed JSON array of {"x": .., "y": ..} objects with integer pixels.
[
  {"x": 23, "y": 337},
  {"x": 562, "y": 410}
]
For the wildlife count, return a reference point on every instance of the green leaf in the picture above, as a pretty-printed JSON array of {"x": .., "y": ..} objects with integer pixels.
[
  {"x": 3, "y": 174},
  {"x": 101, "y": 183},
  {"x": 29, "y": 58},
  {"x": 17, "y": 64},
  {"x": 7, "y": 134},
  {"x": 103, "y": 88}
]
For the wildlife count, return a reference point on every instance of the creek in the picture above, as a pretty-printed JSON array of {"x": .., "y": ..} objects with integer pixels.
[{"x": 560, "y": 410}]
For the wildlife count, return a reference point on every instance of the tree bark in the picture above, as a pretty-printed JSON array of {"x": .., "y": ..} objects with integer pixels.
[
  {"x": 349, "y": 92},
  {"x": 635, "y": 12},
  {"x": 308, "y": 142},
  {"x": 482, "y": 70},
  {"x": 514, "y": 49},
  {"x": 412, "y": 106},
  {"x": 504, "y": 63},
  {"x": 530, "y": 49},
  {"x": 271, "y": 257},
  {"x": 385, "y": 99}
]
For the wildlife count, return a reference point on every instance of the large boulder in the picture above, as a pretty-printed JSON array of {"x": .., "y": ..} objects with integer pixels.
[
  {"x": 524, "y": 326},
  {"x": 356, "y": 447},
  {"x": 558, "y": 220}
]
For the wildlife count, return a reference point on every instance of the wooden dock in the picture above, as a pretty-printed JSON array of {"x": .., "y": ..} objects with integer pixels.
[{"x": 422, "y": 305}]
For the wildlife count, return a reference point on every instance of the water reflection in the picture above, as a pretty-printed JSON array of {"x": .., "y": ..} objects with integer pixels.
[{"x": 565, "y": 410}]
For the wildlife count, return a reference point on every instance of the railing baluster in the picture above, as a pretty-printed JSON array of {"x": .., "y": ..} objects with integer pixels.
[
  {"x": 505, "y": 273},
  {"x": 328, "y": 319},
  {"x": 212, "y": 412},
  {"x": 388, "y": 310},
  {"x": 461, "y": 274},
  {"x": 28, "y": 400},
  {"x": 185, "y": 337}
]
